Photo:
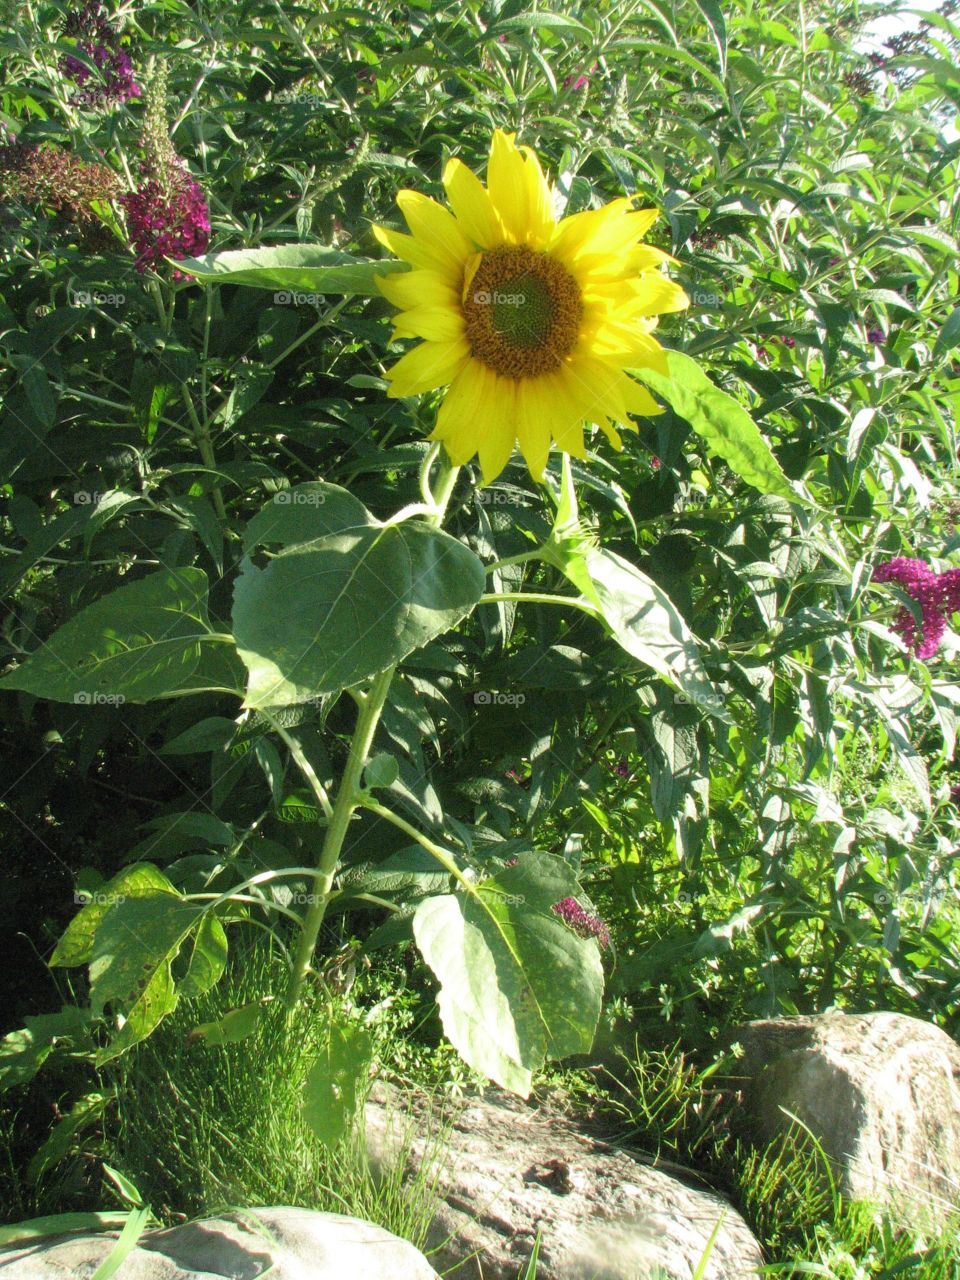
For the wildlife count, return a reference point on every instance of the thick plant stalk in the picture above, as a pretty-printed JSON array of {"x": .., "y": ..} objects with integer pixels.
[
  {"x": 343, "y": 810},
  {"x": 348, "y": 798}
]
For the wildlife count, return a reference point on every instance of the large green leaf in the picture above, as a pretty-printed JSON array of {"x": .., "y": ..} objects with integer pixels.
[
  {"x": 292, "y": 269},
  {"x": 722, "y": 421},
  {"x": 330, "y": 613},
  {"x": 154, "y": 1002},
  {"x": 140, "y": 642},
  {"x": 139, "y": 880},
  {"x": 516, "y": 984},
  {"x": 136, "y": 937},
  {"x": 407, "y": 874},
  {"x": 304, "y": 513},
  {"x": 334, "y": 1084},
  {"x": 23, "y": 1052},
  {"x": 639, "y": 613},
  {"x": 645, "y": 622},
  {"x": 208, "y": 958},
  {"x": 134, "y": 947}
]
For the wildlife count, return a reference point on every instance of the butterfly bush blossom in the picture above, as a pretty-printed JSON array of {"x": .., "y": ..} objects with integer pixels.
[
  {"x": 577, "y": 80},
  {"x": 582, "y": 922},
  {"x": 167, "y": 216},
  {"x": 97, "y": 39},
  {"x": 937, "y": 594},
  {"x": 167, "y": 220}
]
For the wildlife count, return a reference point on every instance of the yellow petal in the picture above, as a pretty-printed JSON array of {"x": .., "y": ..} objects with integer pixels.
[
  {"x": 582, "y": 228},
  {"x": 499, "y": 432},
  {"x": 472, "y": 205},
  {"x": 657, "y": 295},
  {"x": 623, "y": 264},
  {"x": 645, "y": 295},
  {"x": 477, "y": 414},
  {"x": 430, "y": 365},
  {"x": 541, "y": 223},
  {"x": 435, "y": 226},
  {"x": 638, "y": 399},
  {"x": 646, "y": 258},
  {"x": 469, "y": 271},
  {"x": 566, "y": 411},
  {"x": 506, "y": 183},
  {"x": 599, "y": 387},
  {"x": 628, "y": 344},
  {"x": 459, "y": 405},
  {"x": 569, "y": 439},
  {"x": 439, "y": 324},
  {"x": 417, "y": 288},
  {"x": 417, "y": 253},
  {"x": 533, "y": 425}
]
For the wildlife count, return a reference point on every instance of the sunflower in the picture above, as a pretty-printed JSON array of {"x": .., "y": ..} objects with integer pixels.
[{"x": 531, "y": 323}]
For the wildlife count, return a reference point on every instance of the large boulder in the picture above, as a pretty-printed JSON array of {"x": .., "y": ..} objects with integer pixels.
[
  {"x": 879, "y": 1091},
  {"x": 299, "y": 1244},
  {"x": 505, "y": 1170}
]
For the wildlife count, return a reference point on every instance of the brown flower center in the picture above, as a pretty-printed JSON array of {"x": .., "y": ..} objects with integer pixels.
[{"x": 523, "y": 312}]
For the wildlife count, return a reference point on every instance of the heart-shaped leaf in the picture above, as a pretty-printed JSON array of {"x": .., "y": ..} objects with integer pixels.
[
  {"x": 517, "y": 985},
  {"x": 330, "y": 613}
]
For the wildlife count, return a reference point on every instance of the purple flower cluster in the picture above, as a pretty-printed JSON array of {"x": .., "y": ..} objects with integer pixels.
[
  {"x": 875, "y": 336},
  {"x": 860, "y": 81},
  {"x": 577, "y": 80},
  {"x": 937, "y": 594},
  {"x": 582, "y": 922},
  {"x": 167, "y": 215},
  {"x": 97, "y": 39},
  {"x": 167, "y": 220}
]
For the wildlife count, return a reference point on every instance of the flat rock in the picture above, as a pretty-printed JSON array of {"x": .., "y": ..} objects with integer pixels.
[
  {"x": 300, "y": 1244},
  {"x": 505, "y": 1170},
  {"x": 879, "y": 1091}
]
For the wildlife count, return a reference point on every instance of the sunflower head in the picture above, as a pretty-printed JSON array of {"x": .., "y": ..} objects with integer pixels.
[{"x": 530, "y": 323}]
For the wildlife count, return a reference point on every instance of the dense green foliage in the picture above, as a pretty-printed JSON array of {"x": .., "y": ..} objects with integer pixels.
[{"x": 754, "y": 792}]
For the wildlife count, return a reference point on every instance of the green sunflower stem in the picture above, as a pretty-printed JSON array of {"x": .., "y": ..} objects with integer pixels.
[
  {"x": 523, "y": 557},
  {"x": 539, "y": 597},
  {"x": 349, "y": 797},
  {"x": 443, "y": 856},
  {"x": 343, "y": 810}
]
